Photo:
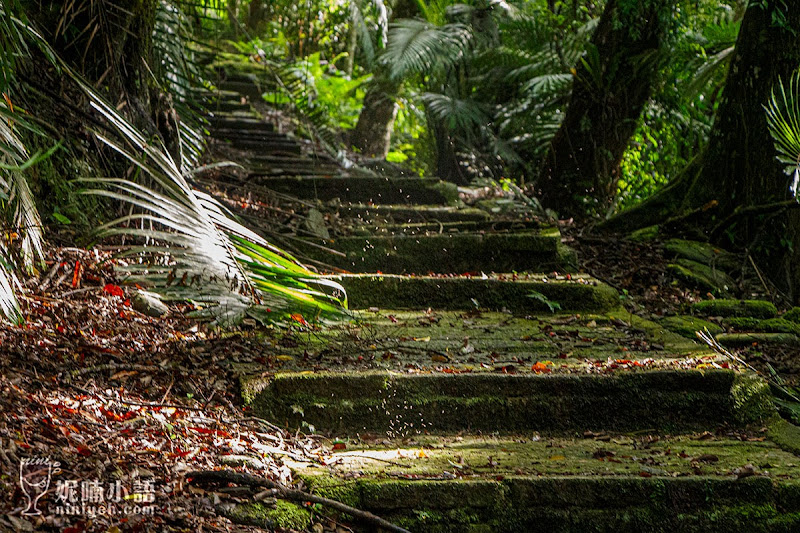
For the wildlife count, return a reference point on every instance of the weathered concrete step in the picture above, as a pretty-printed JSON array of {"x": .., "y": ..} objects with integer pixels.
[
  {"x": 245, "y": 87},
  {"x": 247, "y": 123},
  {"x": 227, "y": 106},
  {"x": 287, "y": 146},
  {"x": 447, "y": 253},
  {"x": 367, "y": 189},
  {"x": 356, "y": 402},
  {"x": 411, "y": 214},
  {"x": 614, "y": 483},
  {"x": 516, "y": 294},
  {"x": 264, "y": 134},
  {"x": 433, "y": 228}
]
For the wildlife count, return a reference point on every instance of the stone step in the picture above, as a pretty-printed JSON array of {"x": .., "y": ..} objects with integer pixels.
[
  {"x": 245, "y": 87},
  {"x": 446, "y": 253},
  {"x": 226, "y": 106},
  {"x": 410, "y": 214},
  {"x": 247, "y": 123},
  {"x": 519, "y": 294},
  {"x": 434, "y": 228},
  {"x": 287, "y": 146},
  {"x": 264, "y": 134},
  {"x": 351, "y": 403},
  {"x": 608, "y": 483},
  {"x": 367, "y": 189}
]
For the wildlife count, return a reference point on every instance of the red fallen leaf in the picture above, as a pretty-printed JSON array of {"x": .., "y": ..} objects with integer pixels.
[
  {"x": 76, "y": 276},
  {"x": 645, "y": 474},
  {"x": 206, "y": 431},
  {"x": 60, "y": 328},
  {"x": 114, "y": 290},
  {"x": 340, "y": 446},
  {"x": 110, "y": 415},
  {"x": 84, "y": 451},
  {"x": 392, "y": 318}
]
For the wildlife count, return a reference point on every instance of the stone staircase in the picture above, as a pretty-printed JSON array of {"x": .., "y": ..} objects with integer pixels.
[{"x": 486, "y": 385}]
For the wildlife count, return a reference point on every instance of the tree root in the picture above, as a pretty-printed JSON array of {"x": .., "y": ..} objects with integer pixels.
[{"x": 285, "y": 493}]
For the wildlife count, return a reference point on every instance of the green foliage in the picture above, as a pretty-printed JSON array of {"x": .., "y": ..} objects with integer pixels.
[
  {"x": 783, "y": 119},
  {"x": 329, "y": 90}
]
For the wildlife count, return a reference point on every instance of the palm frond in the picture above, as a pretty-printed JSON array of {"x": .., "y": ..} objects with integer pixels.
[
  {"x": 417, "y": 47},
  {"x": 783, "y": 120},
  {"x": 186, "y": 234}
]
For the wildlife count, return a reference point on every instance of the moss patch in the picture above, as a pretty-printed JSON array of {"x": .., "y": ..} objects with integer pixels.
[
  {"x": 283, "y": 515},
  {"x": 701, "y": 275},
  {"x": 736, "y": 308},
  {"x": 687, "y": 326},
  {"x": 792, "y": 315},
  {"x": 701, "y": 252},
  {"x": 647, "y": 234},
  {"x": 770, "y": 325}
]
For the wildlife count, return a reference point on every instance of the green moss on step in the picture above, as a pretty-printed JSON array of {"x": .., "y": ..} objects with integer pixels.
[
  {"x": 688, "y": 326},
  {"x": 645, "y": 234},
  {"x": 792, "y": 315},
  {"x": 770, "y": 325},
  {"x": 283, "y": 515},
  {"x": 787, "y": 436},
  {"x": 702, "y": 276},
  {"x": 753, "y": 338},
  {"x": 736, "y": 308},
  {"x": 702, "y": 252},
  {"x": 420, "y": 292},
  {"x": 752, "y": 399}
]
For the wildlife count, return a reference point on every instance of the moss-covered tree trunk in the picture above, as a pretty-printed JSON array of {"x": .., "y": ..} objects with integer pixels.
[{"x": 612, "y": 82}]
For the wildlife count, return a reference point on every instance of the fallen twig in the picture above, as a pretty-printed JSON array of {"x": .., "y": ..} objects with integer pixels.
[{"x": 283, "y": 492}]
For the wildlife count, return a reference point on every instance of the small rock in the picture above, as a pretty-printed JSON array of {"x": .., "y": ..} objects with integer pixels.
[
  {"x": 148, "y": 304},
  {"x": 315, "y": 224}
]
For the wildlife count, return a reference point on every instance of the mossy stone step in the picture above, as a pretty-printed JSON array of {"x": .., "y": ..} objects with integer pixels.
[
  {"x": 517, "y": 294},
  {"x": 411, "y": 214},
  {"x": 285, "y": 146},
  {"x": 244, "y": 86},
  {"x": 248, "y": 123},
  {"x": 615, "y": 483},
  {"x": 266, "y": 134},
  {"x": 432, "y": 228},
  {"x": 227, "y": 106},
  {"x": 357, "y": 402},
  {"x": 366, "y": 189},
  {"x": 460, "y": 253}
]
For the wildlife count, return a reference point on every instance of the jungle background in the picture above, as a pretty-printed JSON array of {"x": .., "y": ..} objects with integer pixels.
[{"x": 661, "y": 138}]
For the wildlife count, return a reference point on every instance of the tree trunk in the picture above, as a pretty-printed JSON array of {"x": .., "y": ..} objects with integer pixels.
[
  {"x": 739, "y": 167},
  {"x": 255, "y": 15},
  {"x": 111, "y": 43},
  {"x": 373, "y": 132},
  {"x": 612, "y": 83}
]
